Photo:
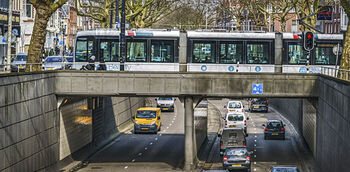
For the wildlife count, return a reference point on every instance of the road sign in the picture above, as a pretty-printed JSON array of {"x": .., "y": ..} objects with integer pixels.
[
  {"x": 325, "y": 13},
  {"x": 258, "y": 89}
]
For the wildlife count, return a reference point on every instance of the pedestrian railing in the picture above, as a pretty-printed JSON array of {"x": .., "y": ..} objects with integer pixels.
[{"x": 336, "y": 73}]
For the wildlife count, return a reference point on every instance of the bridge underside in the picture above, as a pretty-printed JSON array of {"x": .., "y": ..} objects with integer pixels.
[{"x": 76, "y": 83}]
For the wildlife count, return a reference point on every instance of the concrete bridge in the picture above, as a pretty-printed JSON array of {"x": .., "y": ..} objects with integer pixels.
[{"x": 68, "y": 83}]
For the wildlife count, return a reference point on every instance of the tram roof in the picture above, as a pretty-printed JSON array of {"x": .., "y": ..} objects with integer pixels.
[
  {"x": 250, "y": 35},
  {"x": 134, "y": 33},
  {"x": 317, "y": 36}
]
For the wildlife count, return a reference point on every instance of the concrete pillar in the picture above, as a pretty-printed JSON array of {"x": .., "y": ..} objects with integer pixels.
[
  {"x": 189, "y": 131},
  {"x": 278, "y": 52},
  {"x": 183, "y": 52}
]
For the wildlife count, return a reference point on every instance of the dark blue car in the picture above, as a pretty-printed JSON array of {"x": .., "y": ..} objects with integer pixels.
[{"x": 274, "y": 129}]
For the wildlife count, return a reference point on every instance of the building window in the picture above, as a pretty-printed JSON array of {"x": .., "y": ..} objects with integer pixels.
[
  {"x": 109, "y": 51},
  {"x": 29, "y": 7},
  {"x": 294, "y": 26}
]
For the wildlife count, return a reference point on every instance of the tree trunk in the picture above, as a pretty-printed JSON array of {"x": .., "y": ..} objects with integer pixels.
[
  {"x": 38, "y": 39},
  {"x": 345, "y": 59},
  {"x": 283, "y": 25}
]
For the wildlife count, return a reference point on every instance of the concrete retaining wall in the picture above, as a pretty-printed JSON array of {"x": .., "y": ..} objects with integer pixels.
[
  {"x": 29, "y": 139},
  {"x": 201, "y": 123},
  {"x": 333, "y": 124}
]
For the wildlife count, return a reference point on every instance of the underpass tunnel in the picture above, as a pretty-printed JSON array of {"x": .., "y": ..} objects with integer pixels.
[{"x": 103, "y": 126}]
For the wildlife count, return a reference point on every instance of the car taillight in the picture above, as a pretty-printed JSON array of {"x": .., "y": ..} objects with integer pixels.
[
  {"x": 225, "y": 122},
  {"x": 221, "y": 143},
  {"x": 247, "y": 158},
  {"x": 226, "y": 110},
  {"x": 251, "y": 102},
  {"x": 242, "y": 110},
  {"x": 266, "y": 129},
  {"x": 225, "y": 158},
  {"x": 243, "y": 143},
  {"x": 282, "y": 129},
  {"x": 267, "y": 102},
  {"x": 245, "y": 122}
]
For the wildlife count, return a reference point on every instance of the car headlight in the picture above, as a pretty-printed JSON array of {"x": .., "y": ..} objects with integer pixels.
[
  {"x": 137, "y": 122},
  {"x": 153, "y": 122}
]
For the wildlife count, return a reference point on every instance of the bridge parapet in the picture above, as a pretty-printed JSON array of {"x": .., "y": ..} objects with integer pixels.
[{"x": 180, "y": 84}]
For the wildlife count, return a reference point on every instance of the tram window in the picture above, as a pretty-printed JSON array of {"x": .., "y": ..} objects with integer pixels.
[
  {"x": 81, "y": 50},
  {"x": 109, "y": 51},
  {"x": 258, "y": 53},
  {"x": 203, "y": 52},
  {"x": 136, "y": 51},
  {"x": 90, "y": 48},
  {"x": 325, "y": 55},
  {"x": 162, "y": 51},
  {"x": 231, "y": 53},
  {"x": 115, "y": 51},
  {"x": 296, "y": 54}
]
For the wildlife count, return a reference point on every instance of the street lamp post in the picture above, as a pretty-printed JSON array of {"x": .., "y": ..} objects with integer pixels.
[
  {"x": 122, "y": 38},
  {"x": 9, "y": 36},
  {"x": 117, "y": 14}
]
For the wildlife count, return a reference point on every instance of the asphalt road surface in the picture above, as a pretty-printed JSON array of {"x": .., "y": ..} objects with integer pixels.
[
  {"x": 145, "y": 152},
  {"x": 267, "y": 153}
]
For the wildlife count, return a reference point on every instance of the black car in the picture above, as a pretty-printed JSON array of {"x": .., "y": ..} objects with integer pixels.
[
  {"x": 236, "y": 159},
  {"x": 259, "y": 104},
  {"x": 274, "y": 129}
]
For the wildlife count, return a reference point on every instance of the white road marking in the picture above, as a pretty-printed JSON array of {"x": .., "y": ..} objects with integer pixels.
[
  {"x": 172, "y": 121},
  {"x": 156, "y": 138},
  {"x": 254, "y": 140},
  {"x": 254, "y": 150},
  {"x": 254, "y": 162},
  {"x": 126, "y": 167},
  {"x": 145, "y": 148},
  {"x": 167, "y": 127},
  {"x": 133, "y": 160},
  {"x": 255, "y": 136},
  {"x": 254, "y": 156},
  {"x": 254, "y": 145},
  {"x": 151, "y": 143},
  {"x": 140, "y": 154},
  {"x": 170, "y": 124},
  {"x": 254, "y": 169},
  {"x": 160, "y": 134}
]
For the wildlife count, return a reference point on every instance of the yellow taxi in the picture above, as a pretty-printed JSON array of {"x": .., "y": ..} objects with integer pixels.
[{"x": 147, "y": 120}]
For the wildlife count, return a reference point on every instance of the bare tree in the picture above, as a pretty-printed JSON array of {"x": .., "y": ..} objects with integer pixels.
[
  {"x": 282, "y": 11},
  {"x": 44, "y": 10}
]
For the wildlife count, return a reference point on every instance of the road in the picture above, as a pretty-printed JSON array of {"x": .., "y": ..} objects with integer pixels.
[
  {"x": 267, "y": 153},
  {"x": 145, "y": 152},
  {"x": 165, "y": 151}
]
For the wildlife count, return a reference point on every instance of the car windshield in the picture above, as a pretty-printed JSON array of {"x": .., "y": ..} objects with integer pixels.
[
  {"x": 259, "y": 100},
  {"x": 284, "y": 170},
  {"x": 165, "y": 98},
  {"x": 235, "y": 105},
  {"x": 236, "y": 152},
  {"x": 235, "y": 117},
  {"x": 274, "y": 125},
  {"x": 21, "y": 58},
  {"x": 53, "y": 59},
  {"x": 146, "y": 114}
]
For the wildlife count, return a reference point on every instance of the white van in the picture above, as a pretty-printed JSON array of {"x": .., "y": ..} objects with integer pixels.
[
  {"x": 234, "y": 106},
  {"x": 236, "y": 120}
]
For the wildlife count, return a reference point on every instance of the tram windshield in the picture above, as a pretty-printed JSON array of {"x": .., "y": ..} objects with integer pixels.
[{"x": 83, "y": 49}]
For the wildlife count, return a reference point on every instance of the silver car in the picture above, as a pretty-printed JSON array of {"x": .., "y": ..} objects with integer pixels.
[{"x": 54, "y": 63}]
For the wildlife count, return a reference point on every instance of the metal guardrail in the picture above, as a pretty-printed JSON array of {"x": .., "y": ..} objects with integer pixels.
[{"x": 336, "y": 73}]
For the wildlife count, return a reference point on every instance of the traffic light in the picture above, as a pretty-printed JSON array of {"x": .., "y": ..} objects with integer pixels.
[{"x": 308, "y": 41}]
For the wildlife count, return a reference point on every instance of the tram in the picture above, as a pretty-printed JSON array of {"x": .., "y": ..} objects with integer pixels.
[{"x": 158, "y": 50}]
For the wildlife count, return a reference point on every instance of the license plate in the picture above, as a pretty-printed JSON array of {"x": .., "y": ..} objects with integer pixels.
[
  {"x": 274, "y": 134},
  {"x": 237, "y": 165},
  {"x": 165, "y": 108},
  {"x": 21, "y": 67},
  {"x": 49, "y": 69},
  {"x": 232, "y": 126},
  {"x": 232, "y": 144},
  {"x": 232, "y": 110},
  {"x": 144, "y": 128},
  {"x": 256, "y": 107}
]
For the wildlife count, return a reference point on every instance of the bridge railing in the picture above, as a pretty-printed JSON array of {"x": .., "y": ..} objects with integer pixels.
[{"x": 336, "y": 73}]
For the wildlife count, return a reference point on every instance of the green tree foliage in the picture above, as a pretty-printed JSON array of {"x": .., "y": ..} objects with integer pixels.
[{"x": 44, "y": 10}]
